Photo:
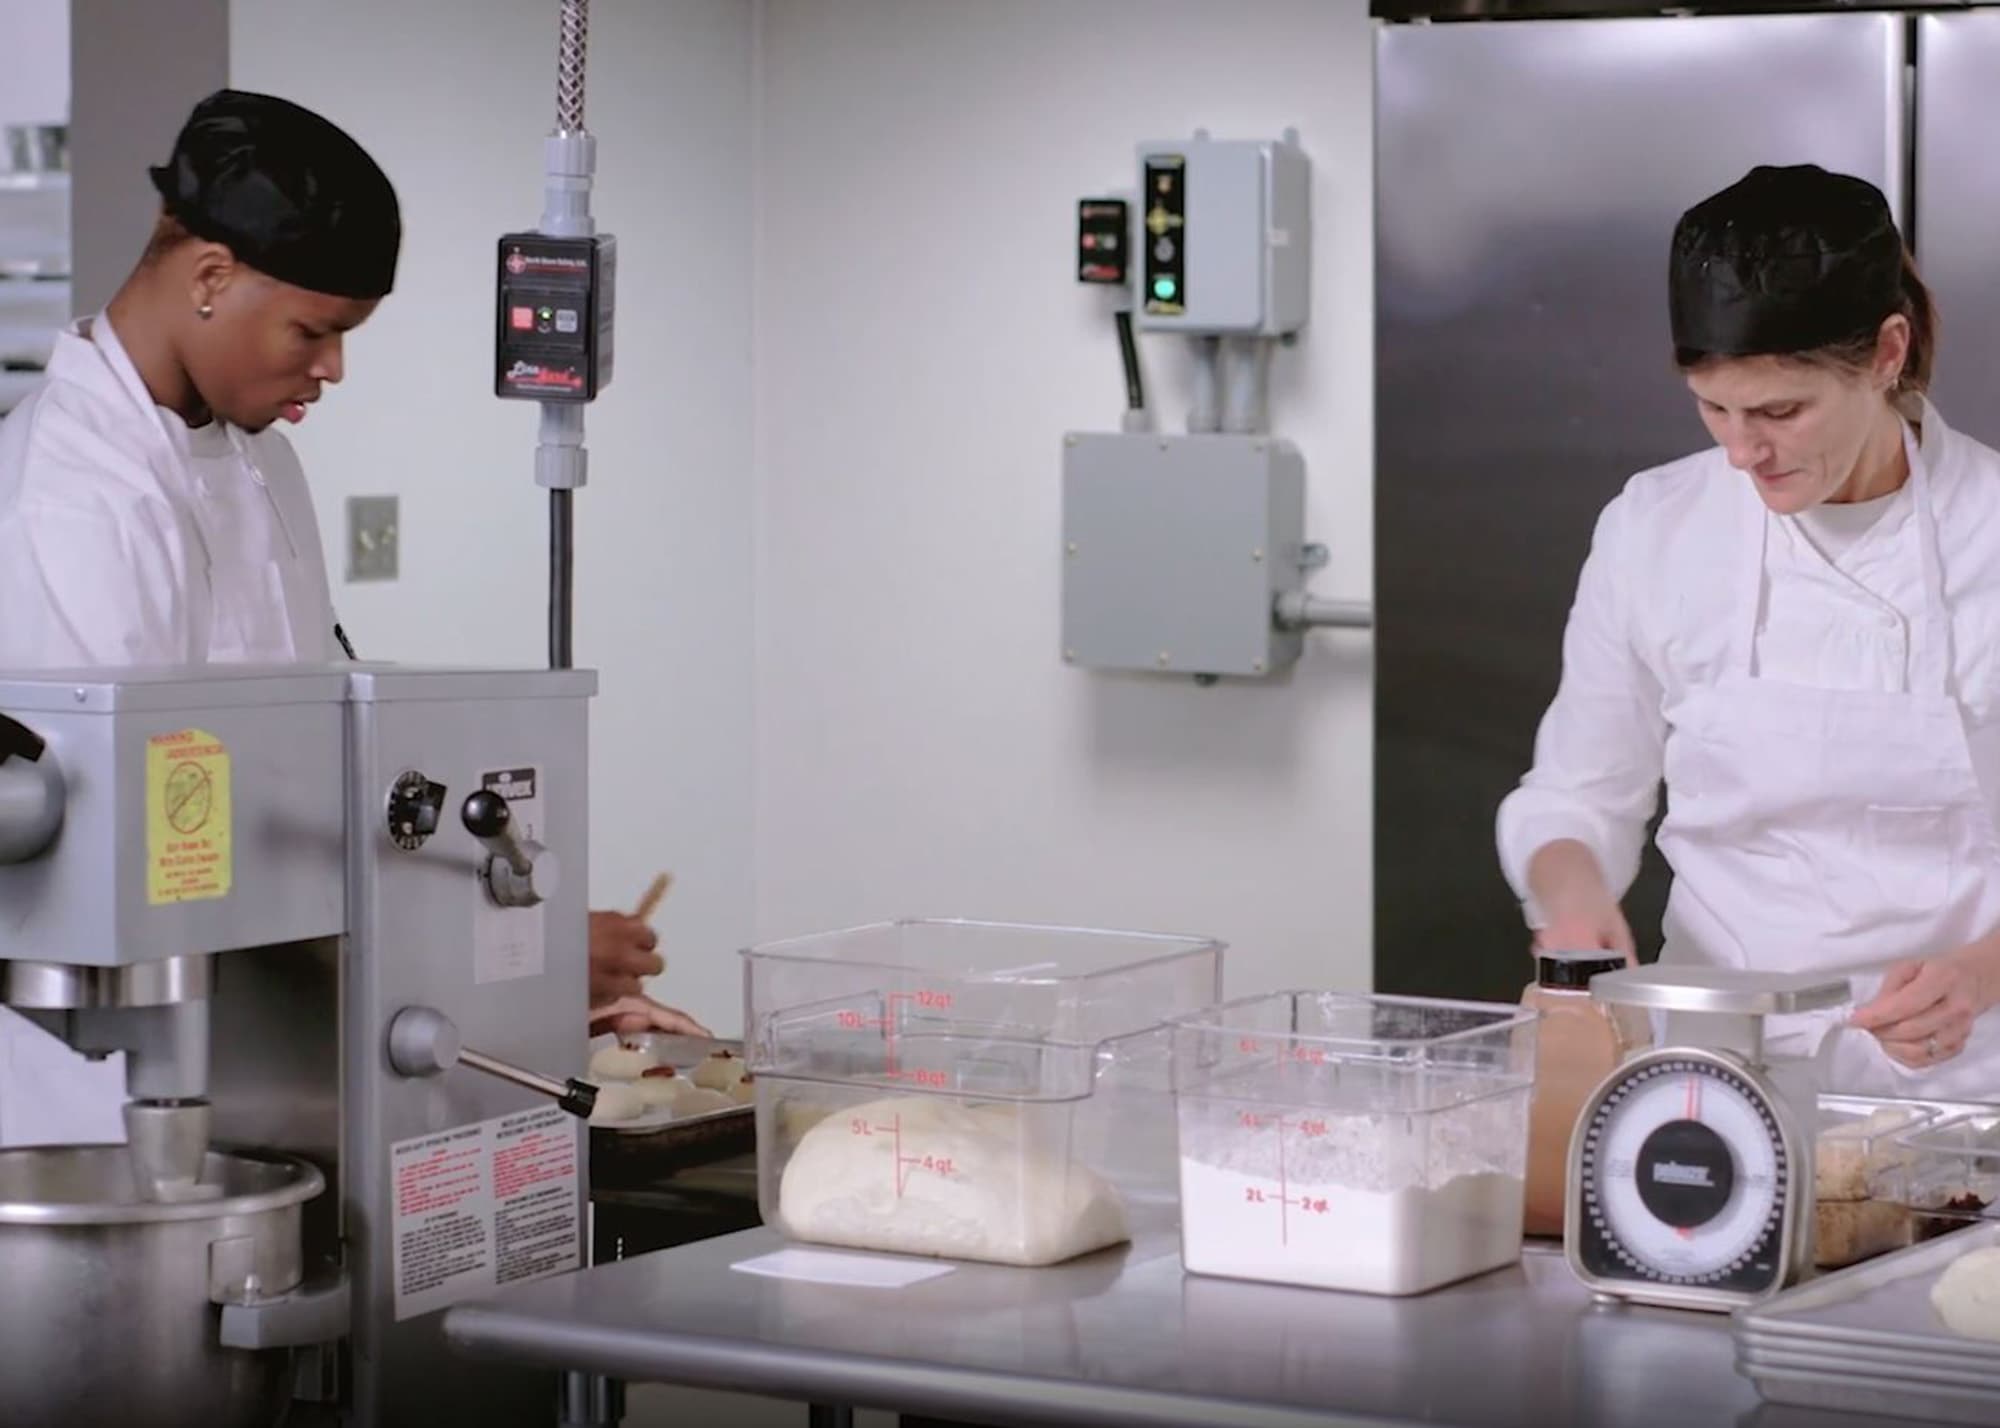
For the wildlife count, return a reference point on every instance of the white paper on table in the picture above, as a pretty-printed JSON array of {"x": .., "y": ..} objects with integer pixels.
[{"x": 858, "y": 1270}]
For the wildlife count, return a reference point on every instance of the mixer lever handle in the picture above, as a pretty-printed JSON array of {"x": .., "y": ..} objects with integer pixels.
[
  {"x": 423, "y": 1041},
  {"x": 520, "y": 872}
]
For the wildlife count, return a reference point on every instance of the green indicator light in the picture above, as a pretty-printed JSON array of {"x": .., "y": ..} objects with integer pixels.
[{"x": 1163, "y": 288}]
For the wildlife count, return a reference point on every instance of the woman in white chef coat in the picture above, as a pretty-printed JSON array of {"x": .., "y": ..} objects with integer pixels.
[
  {"x": 1799, "y": 630},
  {"x": 151, "y": 514}
]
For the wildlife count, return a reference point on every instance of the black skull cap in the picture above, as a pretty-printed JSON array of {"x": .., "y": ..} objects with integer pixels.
[{"x": 290, "y": 193}]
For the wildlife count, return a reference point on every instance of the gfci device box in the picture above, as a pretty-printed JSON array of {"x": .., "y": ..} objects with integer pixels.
[
  {"x": 1224, "y": 237},
  {"x": 1175, "y": 550}
]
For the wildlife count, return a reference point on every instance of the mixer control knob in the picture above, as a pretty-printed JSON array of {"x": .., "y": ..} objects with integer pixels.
[{"x": 415, "y": 806}]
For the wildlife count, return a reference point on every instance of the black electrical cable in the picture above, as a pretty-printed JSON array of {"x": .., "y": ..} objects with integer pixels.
[
  {"x": 1135, "y": 387},
  {"x": 562, "y": 565}
]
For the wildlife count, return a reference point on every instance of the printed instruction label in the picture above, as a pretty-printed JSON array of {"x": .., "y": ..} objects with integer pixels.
[
  {"x": 510, "y": 942},
  {"x": 188, "y": 852},
  {"x": 483, "y": 1206}
]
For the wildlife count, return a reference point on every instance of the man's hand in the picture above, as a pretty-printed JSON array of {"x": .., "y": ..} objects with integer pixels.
[
  {"x": 629, "y": 1016},
  {"x": 1925, "y": 1010},
  {"x": 622, "y": 956}
]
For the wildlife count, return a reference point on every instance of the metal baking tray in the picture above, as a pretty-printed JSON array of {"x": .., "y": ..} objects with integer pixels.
[
  {"x": 1885, "y": 1303},
  {"x": 644, "y": 1154},
  {"x": 1864, "y": 1358},
  {"x": 1866, "y": 1340},
  {"x": 1785, "y": 1360},
  {"x": 1891, "y": 1398}
]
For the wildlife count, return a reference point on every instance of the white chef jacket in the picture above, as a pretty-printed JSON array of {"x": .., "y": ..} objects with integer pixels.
[
  {"x": 1687, "y": 575},
  {"x": 128, "y": 539}
]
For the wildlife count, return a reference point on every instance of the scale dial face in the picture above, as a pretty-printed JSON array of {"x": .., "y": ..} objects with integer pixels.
[{"x": 1684, "y": 1175}]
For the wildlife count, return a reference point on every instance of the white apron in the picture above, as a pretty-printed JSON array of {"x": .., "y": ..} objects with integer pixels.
[{"x": 1834, "y": 830}]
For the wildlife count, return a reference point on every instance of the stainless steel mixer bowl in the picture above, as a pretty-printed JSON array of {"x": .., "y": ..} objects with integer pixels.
[{"x": 108, "y": 1304}]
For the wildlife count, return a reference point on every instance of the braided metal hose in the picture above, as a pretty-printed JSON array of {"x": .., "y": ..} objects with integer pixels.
[{"x": 570, "y": 58}]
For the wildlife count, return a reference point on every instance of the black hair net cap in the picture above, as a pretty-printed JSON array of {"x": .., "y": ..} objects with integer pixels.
[
  {"x": 1783, "y": 260},
  {"x": 290, "y": 194}
]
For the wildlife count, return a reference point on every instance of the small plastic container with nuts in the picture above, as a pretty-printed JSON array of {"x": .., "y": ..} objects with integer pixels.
[
  {"x": 1858, "y": 1144},
  {"x": 1946, "y": 1174}
]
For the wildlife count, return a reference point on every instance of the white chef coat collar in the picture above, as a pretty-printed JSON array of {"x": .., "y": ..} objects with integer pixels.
[
  {"x": 1933, "y": 672},
  {"x": 177, "y": 440}
]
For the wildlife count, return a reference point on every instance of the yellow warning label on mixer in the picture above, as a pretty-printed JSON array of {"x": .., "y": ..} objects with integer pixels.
[{"x": 187, "y": 817}]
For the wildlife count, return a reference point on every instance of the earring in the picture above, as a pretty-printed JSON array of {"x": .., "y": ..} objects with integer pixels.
[{"x": 204, "y": 312}]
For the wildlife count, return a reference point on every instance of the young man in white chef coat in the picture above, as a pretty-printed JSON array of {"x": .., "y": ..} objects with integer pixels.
[
  {"x": 1799, "y": 631},
  {"x": 152, "y": 514}
]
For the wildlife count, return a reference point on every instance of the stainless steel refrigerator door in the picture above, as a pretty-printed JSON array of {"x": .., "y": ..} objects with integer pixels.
[
  {"x": 1529, "y": 175},
  {"x": 1958, "y": 211}
]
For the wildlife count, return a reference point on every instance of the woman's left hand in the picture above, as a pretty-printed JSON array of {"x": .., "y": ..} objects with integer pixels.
[{"x": 1924, "y": 1012}]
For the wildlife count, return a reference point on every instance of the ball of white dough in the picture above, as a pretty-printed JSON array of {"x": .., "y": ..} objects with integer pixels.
[
  {"x": 620, "y": 1063},
  {"x": 1967, "y": 1294},
  {"x": 618, "y": 1101},
  {"x": 664, "y": 1092},
  {"x": 720, "y": 1071}
]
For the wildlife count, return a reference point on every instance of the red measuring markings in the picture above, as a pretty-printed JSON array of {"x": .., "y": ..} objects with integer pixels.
[
  {"x": 1284, "y": 1199},
  {"x": 931, "y": 999},
  {"x": 1310, "y": 1055},
  {"x": 905, "y": 1165}
]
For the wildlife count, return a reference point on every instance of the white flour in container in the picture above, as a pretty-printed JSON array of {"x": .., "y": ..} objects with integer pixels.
[{"x": 1345, "y": 1211}]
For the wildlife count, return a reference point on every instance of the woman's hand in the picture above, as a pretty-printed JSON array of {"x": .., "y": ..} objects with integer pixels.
[
  {"x": 1924, "y": 1012},
  {"x": 1579, "y": 913},
  {"x": 632, "y": 1015}
]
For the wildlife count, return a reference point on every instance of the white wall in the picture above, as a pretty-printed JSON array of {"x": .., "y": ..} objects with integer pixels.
[
  {"x": 921, "y": 347},
  {"x": 34, "y": 61},
  {"x": 453, "y": 97}
]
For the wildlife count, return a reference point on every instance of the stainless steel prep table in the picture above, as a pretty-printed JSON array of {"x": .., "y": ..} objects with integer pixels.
[{"x": 1125, "y": 1338}]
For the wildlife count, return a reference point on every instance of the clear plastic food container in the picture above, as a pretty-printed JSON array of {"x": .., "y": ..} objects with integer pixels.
[
  {"x": 1948, "y": 1175},
  {"x": 1053, "y": 983},
  {"x": 1365, "y": 1143},
  {"x": 1856, "y": 1143},
  {"x": 978, "y": 1091}
]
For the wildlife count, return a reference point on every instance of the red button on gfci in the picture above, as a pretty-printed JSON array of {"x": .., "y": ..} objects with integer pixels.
[{"x": 523, "y": 318}]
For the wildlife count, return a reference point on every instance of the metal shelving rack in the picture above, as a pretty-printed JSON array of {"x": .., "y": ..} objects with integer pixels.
[{"x": 35, "y": 297}]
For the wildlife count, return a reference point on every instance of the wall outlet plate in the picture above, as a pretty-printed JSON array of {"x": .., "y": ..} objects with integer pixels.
[{"x": 372, "y": 538}]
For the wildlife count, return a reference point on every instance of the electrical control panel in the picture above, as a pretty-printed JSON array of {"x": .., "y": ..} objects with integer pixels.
[
  {"x": 1225, "y": 236},
  {"x": 553, "y": 325},
  {"x": 1103, "y": 240},
  {"x": 1176, "y": 550}
]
